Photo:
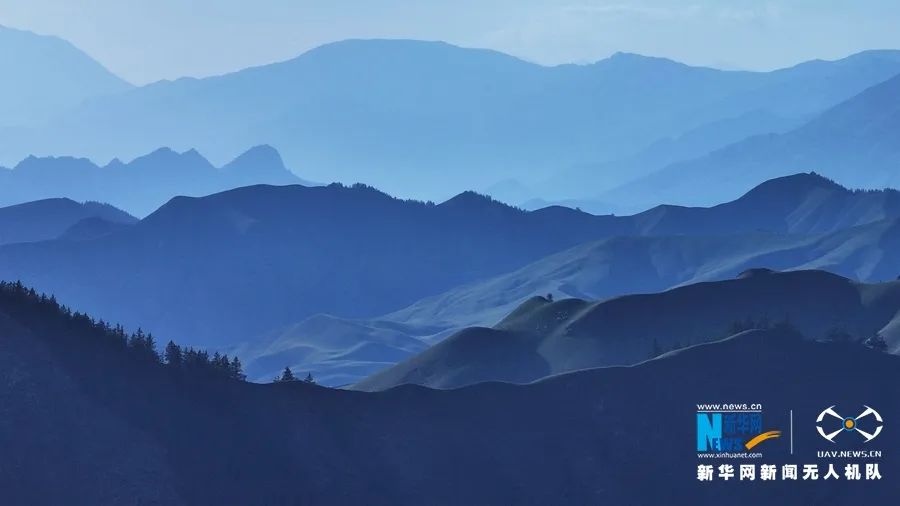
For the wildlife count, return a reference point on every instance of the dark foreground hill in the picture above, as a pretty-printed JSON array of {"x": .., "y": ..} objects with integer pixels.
[
  {"x": 81, "y": 424},
  {"x": 541, "y": 337}
]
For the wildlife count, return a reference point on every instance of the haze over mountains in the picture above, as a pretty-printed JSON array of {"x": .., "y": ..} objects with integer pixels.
[
  {"x": 44, "y": 76},
  {"x": 432, "y": 119},
  {"x": 143, "y": 184},
  {"x": 854, "y": 142},
  {"x": 461, "y": 352}
]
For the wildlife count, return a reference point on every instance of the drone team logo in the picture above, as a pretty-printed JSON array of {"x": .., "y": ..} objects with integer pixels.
[{"x": 838, "y": 424}]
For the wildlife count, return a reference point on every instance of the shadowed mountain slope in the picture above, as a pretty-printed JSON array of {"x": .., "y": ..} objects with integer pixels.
[
  {"x": 541, "y": 337},
  {"x": 196, "y": 441}
]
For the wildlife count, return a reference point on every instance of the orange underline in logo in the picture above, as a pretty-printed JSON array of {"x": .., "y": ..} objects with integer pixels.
[{"x": 762, "y": 437}]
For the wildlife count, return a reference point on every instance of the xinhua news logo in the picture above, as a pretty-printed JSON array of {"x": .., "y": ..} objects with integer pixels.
[{"x": 731, "y": 430}]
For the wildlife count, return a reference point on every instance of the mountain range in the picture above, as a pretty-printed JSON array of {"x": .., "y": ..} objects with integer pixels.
[
  {"x": 434, "y": 119},
  {"x": 853, "y": 142},
  {"x": 44, "y": 76},
  {"x": 199, "y": 440},
  {"x": 143, "y": 184},
  {"x": 797, "y": 222},
  {"x": 211, "y": 270},
  {"x": 216, "y": 269}
]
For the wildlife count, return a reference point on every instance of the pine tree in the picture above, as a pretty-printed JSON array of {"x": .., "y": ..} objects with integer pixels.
[
  {"x": 150, "y": 348},
  {"x": 309, "y": 379},
  {"x": 136, "y": 341},
  {"x": 287, "y": 375},
  {"x": 236, "y": 371},
  {"x": 174, "y": 356}
]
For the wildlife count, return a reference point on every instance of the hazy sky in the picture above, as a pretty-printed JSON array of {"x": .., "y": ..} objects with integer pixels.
[{"x": 147, "y": 40}]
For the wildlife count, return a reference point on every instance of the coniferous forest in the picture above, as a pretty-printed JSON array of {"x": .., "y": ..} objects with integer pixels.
[{"x": 58, "y": 322}]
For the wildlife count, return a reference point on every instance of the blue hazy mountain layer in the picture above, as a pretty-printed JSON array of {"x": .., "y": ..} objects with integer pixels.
[
  {"x": 429, "y": 120},
  {"x": 855, "y": 142},
  {"x": 143, "y": 184},
  {"x": 46, "y": 76}
]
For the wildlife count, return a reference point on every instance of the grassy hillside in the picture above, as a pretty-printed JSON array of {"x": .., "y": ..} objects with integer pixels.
[{"x": 541, "y": 337}]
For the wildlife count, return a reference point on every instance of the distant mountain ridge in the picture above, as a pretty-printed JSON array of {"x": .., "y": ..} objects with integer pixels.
[
  {"x": 45, "y": 76},
  {"x": 854, "y": 142},
  {"x": 145, "y": 183},
  {"x": 433, "y": 119}
]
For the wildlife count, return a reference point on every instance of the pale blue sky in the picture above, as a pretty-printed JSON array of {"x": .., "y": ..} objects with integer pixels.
[{"x": 147, "y": 40}]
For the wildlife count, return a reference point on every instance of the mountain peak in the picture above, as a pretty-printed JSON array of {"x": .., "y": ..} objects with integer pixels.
[
  {"x": 42, "y": 162},
  {"x": 472, "y": 199},
  {"x": 635, "y": 59},
  {"x": 159, "y": 152},
  {"x": 261, "y": 164},
  {"x": 262, "y": 156},
  {"x": 794, "y": 185},
  {"x": 166, "y": 156},
  {"x": 399, "y": 53},
  {"x": 756, "y": 272}
]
